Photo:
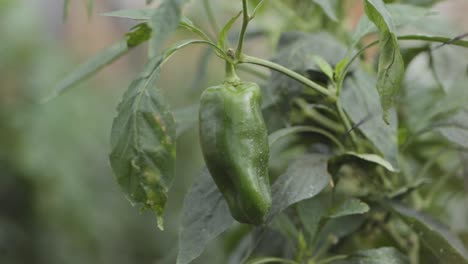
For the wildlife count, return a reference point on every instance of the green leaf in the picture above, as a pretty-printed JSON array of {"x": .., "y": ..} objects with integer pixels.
[
  {"x": 283, "y": 224},
  {"x": 188, "y": 24},
  {"x": 135, "y": 14},
  {"x": 143, "y": 139},
  {"x": 349, "y": 206},
  {"x": 402, "y": 14},
  {"x": 225, "y": 30},
  {"x": 137, "y": 35},
  {"x": 391, "y": 64},
  {"x": 324, "y": 66},
  {"x": 408, "y": 188},
  {"x": 85, "y": 70},
  {"x": 164, "y": 20},
  {"x": 278, "y": 134},
  {"x": 304, "y": 178},
  {"x": 372, "y": 158},
  {"x": 145, "y": 14},
  {"x": 339, "y": 68},
  {"x": 455, "y": 128},
  {"x": 431, "y": 108},
  {"x": 449, "y": 64},
  {"x": 329, "y": 7},
  {"x": 438, "y": 238},
  {"x": 143, "y": 143},
  {"x": 292, "y": 48},
  {"x": 205, "y": 216},
  {"x": 359, "y": 100},
  {"x": 385, "y": 255},
  {"x": 312, "y": 210},
  {"x": 338, "y": 228}
]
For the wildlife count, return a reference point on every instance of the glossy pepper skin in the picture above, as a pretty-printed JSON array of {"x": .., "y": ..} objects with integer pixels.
[{"x": 234, "y": 142}]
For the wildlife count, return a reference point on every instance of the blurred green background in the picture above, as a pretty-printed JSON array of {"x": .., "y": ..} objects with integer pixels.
[{"x": 59, "y": 202}]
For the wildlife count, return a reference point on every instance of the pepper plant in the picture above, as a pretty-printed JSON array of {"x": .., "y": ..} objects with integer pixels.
[{"x": 363, "y": 153}]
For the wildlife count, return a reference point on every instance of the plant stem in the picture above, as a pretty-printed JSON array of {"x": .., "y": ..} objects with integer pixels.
[
  {"x": 211, "y": 16},
  {"x": 346, "y": 122},
  {"x": 255, "y": 72},
  {"x": 231, "y": 76},
  {"x": 319, "y": 118},
  {"x": 414, "y": 251},
  {"x": 400, "y": 242},
  {"x": 292, "y": 74},
  {"x": 460, "y": 43},
  {"x": 437, "y": 186},
  {"x": 245, "y": 23},
  {"x": 300, "y": 129},
  {"x": 350, "y": 62}
]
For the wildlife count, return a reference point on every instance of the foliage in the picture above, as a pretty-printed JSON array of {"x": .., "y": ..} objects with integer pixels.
[{"x": 372, "y": 146}]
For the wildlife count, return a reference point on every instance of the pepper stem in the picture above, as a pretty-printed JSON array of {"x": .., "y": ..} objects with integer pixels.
[{"x": 231, "y": 76}]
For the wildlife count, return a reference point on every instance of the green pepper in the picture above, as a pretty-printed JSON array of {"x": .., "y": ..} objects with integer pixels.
[{"x": 234, "y": 142}]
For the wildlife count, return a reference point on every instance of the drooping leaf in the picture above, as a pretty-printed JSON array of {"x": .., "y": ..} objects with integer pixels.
[
  {"x": 205, "y": 216},
  {"x": 435, "y": 236},
  {"x": 143, "y": 139},
  {"x": 360, "y": 100},
  {"x": 143, "y": 143},
  {"x": 329, "y": 7},
  {"x": 136, "y": 36},
  {"x": 391, "y": 64},
  {"x": 85, "y": 70},
  {"x": 304, "y": 178},
  {"x": 386, "y": 255}
]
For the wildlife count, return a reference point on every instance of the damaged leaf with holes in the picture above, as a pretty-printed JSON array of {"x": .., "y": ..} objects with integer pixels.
[{"x": 143, "y": 143}]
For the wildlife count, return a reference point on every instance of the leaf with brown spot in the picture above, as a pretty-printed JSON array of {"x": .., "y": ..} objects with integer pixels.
[{"x": 143, "y": 143}]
